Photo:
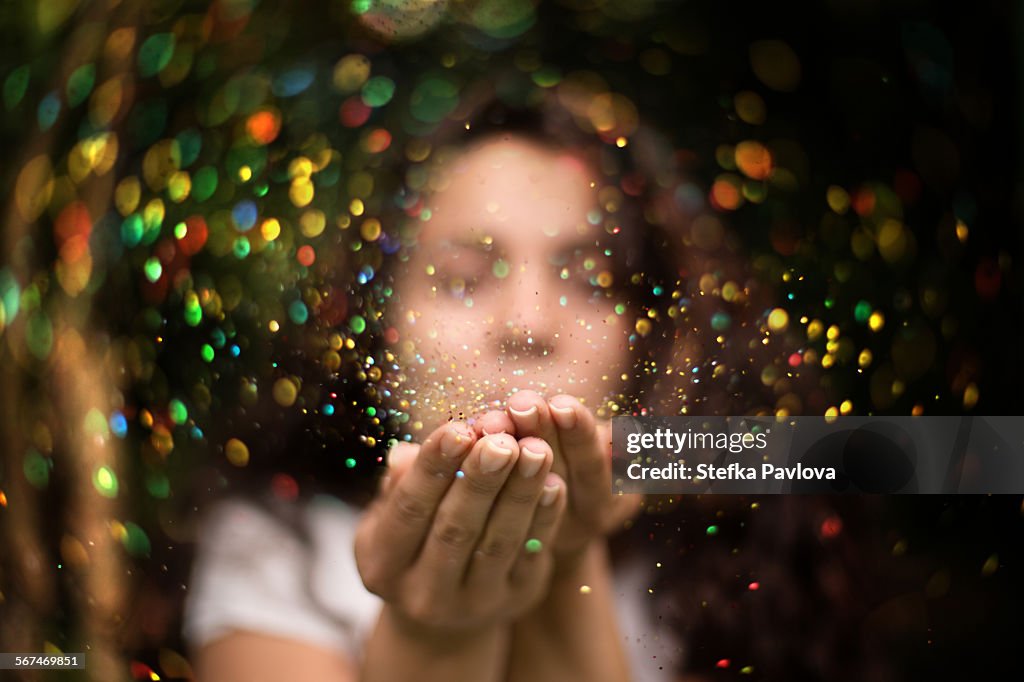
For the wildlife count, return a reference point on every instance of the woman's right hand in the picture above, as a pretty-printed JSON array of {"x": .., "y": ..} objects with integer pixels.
[{"x": 461, "y": 540}]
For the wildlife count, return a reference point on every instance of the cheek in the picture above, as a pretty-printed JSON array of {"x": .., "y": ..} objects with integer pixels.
[
  {"x": 604, "y": 341},
  {"x": 437, "y": 327}
]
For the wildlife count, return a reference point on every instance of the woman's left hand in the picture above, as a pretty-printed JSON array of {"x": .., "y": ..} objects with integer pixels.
[{"x": 582, "y": 448}]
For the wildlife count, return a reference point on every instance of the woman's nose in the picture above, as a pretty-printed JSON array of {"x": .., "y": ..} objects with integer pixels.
[{"x": 532, "y": 321}]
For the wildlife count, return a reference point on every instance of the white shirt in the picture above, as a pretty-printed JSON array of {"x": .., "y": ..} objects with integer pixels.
[{"x": 252, "y": 572}]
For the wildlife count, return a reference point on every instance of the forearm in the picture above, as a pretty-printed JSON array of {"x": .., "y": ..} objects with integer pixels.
[
  {"x": 399, "y": 650},
  {"x": 573, "y": 634}
]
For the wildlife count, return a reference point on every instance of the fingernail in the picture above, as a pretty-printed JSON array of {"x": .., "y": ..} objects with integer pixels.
[
  {"x": 455, "y": 441},
  {"x": 529, "y": 462},
  {"x": 565, "y": 417},
  {"x": 550, "y": 494},
  {"x": 493, "y": 457},
  {"x": 523, "y": 414}
]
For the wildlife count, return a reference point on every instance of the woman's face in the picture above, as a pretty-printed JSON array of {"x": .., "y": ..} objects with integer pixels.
[{"x": 507, "y": 288}]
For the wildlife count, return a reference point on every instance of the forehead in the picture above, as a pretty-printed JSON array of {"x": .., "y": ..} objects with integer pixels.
[{"x": 512, "y": 188}]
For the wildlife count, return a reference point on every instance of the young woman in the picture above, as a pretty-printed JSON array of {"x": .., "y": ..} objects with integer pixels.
[{"x": 521, "y": 303}]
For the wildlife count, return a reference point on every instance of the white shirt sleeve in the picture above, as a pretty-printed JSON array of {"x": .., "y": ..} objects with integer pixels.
[{"x": 253, "y": 573}]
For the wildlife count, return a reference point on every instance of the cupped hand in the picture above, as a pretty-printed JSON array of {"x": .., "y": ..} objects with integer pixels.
[
  {"x": 582, "y": 449},
  {"x": 462, "y": 538}
]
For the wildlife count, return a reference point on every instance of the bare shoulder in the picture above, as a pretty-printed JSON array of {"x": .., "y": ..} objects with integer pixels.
[{"x": 242, "y": 656}]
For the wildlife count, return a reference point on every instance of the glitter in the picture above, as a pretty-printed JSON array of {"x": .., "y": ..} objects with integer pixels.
[
  {"x": 357, "y": 324},
  {"x": 877, "y": 321},
  {"x": 712, "y": 530},
  {"x": 754, "y": 586},
  {"x": 778, "y": 320},
  {"x": 350, "y": 463},
  {"x": 177, "y": 411},
  {"x": 155, "y": 54},
  {"x": 500, "y": 269},
  {"x": 971, "y": 395},
  {"x": 285, "y": 391},
  {"x": 49, "y": 109},
  {"x": 15, "y": 86},
  {"x": 270, "y": 229},
  {"x": 585, "y": 589},
  {"x": 206, "y": 352},
  {"x": 722, "y": 663},
  {"x": 306, "y": 256},
  {"x": 36, "y": 469},
  {"x": 433, "y": 98},
  {"x": 204, "y": 183},
  {"x": 135, "y": 541},
  {"x": 241, "y": 247},
  {"x": 105, "y": 481},
  {"x": 725, "y": 192},
  {"x": 377, "y": 141},
  {"x": 370, "y": 230},
  {"x": 153, "y": 269},
  {"x": 193, "y": 311},
  {"x": 244, "y": 215},
  {"x": 720, "y": 321},
  {"x": 961, "y": 231},
  {"x": 753, "y": 159},
  {"x": 118, "y": 424},
  {"x": 533, "y": 545},
  {"x": 460, "y": 474},
  {"x": 298, "y": 312},
  {"x": 301, "y": 192},
  {"x": 80, "y": 84},
  {"x": 263, "y": 126},
  {"x": 378, "y": 91}
]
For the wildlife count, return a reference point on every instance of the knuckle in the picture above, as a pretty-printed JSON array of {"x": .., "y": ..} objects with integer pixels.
[
  {"x": 411, "y": 509},
  {"x": 434, "y": 468},
  {"x": 453, "y": 535},
  {"x": 498, "y": 547},
  {"x": 481, "y": 487},
  {"x": 525, "y": 498}
]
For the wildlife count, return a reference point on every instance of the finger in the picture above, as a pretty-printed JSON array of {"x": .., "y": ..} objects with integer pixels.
[
  {"x": 400, "y": 459},
  {"x": 399, "y": 526},
  {"x": 509, "y": 523},
  {"x": 531, "y": 417},
  {"x": 494, "y": 421},
  {"x": 464, "y": 511},
  {"x": 587, "y": 452},
  {"x": 543, "y": 527}
]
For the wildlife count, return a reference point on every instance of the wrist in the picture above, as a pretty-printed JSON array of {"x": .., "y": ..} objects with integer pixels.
[
  {"x": 577, "y": 564},
  {"x": 435, "y": 636}
]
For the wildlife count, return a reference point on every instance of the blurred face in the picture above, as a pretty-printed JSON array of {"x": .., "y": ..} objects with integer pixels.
[{"x": 507, "y": 288}]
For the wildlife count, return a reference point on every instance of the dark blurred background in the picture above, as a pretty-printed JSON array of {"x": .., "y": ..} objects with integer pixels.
[{"x": 145, "y": 319}]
